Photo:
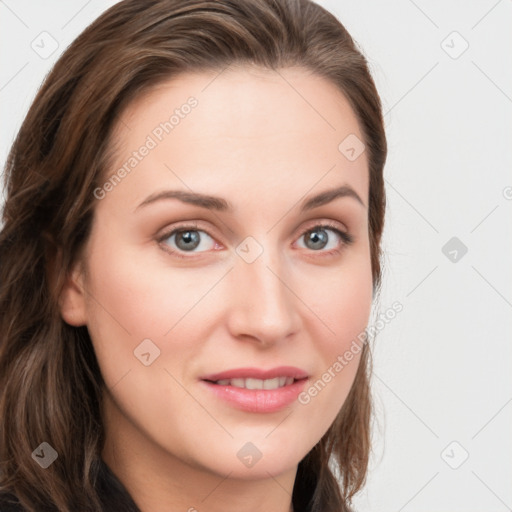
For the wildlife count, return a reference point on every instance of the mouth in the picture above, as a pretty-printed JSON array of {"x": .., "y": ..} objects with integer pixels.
[
  {"x": 276, "y": 383},
  {"x": 257, "y": 391}
]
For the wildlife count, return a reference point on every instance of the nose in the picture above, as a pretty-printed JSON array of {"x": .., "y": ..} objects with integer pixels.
[{"x": 263, "y": 305}]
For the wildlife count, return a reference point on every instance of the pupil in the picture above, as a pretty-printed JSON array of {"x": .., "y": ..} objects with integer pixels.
[
  {"x": 187, "y": 237},
  {"x": 318, "y": 241}
]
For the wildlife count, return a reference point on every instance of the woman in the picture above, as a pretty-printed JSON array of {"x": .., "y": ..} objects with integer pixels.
[{"x": 137, "y": 373}]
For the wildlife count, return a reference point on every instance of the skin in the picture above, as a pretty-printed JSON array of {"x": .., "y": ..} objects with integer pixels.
[{"x": 265, "y": 146}]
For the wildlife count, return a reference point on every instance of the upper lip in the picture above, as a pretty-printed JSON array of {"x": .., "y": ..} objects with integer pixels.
[{"x": 257, "y": 373}]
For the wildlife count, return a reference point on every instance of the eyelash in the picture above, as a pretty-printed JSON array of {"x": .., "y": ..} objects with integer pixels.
[{"x": 347, "y": 239}]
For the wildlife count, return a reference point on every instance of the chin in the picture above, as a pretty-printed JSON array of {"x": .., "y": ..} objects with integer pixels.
[{"x": 257, "y": 459}]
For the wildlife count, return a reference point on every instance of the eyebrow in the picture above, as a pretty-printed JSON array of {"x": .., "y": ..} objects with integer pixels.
[{"x": 221, "y": 205}]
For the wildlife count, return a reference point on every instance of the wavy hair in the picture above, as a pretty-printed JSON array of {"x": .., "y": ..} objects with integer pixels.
[{"x": 50, "y": 382}]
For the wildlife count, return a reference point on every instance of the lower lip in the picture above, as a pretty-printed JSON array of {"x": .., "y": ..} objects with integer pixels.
[{"x": 258, "y": 400}]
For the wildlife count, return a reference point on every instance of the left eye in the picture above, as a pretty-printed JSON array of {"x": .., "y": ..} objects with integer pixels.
[
  {"x": 188, "y": 238},
  {"x": 318, "y": 238}
]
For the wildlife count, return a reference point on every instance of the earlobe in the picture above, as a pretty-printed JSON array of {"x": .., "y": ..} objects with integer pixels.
[{"x": 72, "y": 298}]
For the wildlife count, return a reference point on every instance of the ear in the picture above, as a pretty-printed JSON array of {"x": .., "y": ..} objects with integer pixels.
[{"x": 72, "y": 298}]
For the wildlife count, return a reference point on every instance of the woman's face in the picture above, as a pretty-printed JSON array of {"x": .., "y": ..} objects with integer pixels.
[{"x": 250, "y": 281}]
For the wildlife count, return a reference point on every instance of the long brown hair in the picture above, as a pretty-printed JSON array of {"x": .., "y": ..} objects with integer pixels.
[{"x": 50, "y": 382}]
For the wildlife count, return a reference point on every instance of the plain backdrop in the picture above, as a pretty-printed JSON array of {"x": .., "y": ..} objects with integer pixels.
[{"x": 443, "y": 366}]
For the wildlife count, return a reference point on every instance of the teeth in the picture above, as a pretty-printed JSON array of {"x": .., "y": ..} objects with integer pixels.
[
  {"x": 238, "y": 383},
  {"x": 277, "y": 382},
  {"x": 272, "y": 383},
  {"x": 253, "y": 384}
]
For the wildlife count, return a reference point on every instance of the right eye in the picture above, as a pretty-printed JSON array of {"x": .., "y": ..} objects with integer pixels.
[{"x": 185, "y": 239}]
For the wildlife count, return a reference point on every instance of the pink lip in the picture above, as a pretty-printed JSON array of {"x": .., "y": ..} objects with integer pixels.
[
  {"x": 256, "y": 373},
  {"x": 258, "y": 400}
]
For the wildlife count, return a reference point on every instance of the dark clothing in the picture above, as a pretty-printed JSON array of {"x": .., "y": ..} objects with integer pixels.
[
  {"x": 115, "y": 497},
  {"x": 112, "y": 493}
]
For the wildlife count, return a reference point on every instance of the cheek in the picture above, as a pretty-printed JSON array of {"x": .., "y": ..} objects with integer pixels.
[
  {"x": 343, "y": 303},
  {"x": 131, "y": 300},
  {"x": 130, "y": 303},
  {"x": 135, "y": 297},
  {"x": 347, "y": 309},
  {"x": 344, "y": 306}
]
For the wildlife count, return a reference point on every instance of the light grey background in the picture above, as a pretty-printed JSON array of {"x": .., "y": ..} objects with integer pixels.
[{"x": 443, "y": 379}]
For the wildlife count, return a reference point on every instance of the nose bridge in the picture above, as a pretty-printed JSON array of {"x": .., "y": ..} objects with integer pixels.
[{"x": 264, "y": 307}]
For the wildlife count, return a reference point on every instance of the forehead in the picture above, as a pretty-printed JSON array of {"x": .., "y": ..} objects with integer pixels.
[{"x": 249, "y": 126}]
